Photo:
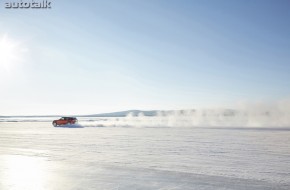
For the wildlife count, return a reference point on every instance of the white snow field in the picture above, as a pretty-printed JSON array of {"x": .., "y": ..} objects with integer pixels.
[{"x": 34, "y": 155}]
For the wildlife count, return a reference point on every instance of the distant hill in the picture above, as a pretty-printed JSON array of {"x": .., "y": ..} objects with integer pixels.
[
  {"x": 225, "y": 112},
  {"x": 112, "y": 114}
]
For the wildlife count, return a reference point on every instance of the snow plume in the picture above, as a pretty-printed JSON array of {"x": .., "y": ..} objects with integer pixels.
[{"x": 243, "y": 115}]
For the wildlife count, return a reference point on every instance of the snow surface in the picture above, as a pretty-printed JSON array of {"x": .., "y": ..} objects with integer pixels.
[{"x": 36, "y": 155}]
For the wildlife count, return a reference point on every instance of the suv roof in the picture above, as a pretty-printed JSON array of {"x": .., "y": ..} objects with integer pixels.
[{"x": 69, "y": 117}]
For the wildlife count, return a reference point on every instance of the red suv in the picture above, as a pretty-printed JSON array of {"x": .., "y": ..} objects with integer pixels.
[{"x": 65, "y": 121}]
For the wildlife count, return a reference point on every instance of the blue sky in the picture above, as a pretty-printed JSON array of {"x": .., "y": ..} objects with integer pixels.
[{"x": 83, "y": 57}]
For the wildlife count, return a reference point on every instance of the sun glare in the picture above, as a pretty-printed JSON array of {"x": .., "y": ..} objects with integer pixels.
[
  {"x": 22, "y": 172},
  {"x": 11, "y": 53}
]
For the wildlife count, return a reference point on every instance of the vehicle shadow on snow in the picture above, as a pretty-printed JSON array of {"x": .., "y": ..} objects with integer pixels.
[{"x": 70, "y": 126}]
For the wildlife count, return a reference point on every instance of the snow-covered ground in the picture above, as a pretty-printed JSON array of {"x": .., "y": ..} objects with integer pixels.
[{"x": 34, "y": 155}]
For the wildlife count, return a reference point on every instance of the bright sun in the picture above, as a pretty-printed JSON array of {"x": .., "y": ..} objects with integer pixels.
[{"x": 11, "y": 53}]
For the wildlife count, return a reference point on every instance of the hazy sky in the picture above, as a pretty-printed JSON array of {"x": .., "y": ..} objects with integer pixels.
[{"x": 83, "y": 57}]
